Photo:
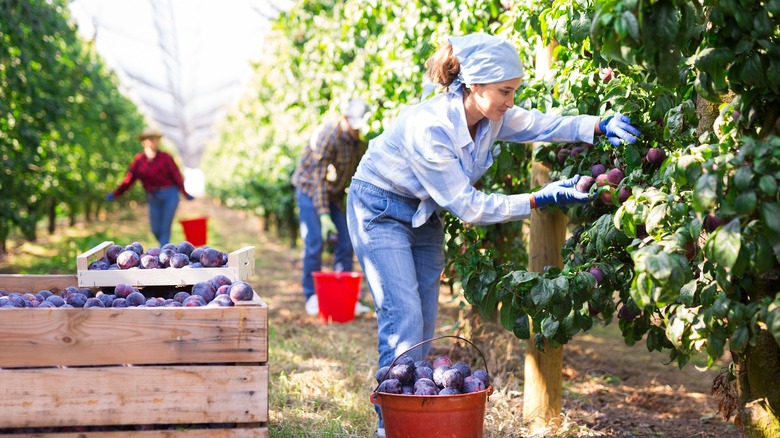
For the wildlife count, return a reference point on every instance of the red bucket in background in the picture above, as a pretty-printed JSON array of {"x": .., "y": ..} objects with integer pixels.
[
  {"x": 337, "y": 294},
  {"x": 195, "y": 230}
]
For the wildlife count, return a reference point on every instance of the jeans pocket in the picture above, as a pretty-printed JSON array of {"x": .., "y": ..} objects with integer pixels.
[{"x": 377, "y": 206}]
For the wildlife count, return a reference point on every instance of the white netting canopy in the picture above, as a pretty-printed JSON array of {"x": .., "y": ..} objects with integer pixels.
[{"x": 182, "y": 61}]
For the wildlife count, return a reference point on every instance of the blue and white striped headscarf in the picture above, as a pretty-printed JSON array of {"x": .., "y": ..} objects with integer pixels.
[{"x": 484, "y": 59}]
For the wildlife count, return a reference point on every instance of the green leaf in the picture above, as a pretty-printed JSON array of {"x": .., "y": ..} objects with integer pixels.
[
  {"x": 688, "y": 293},
  {"x": 549, "y": 327},
  {"x": 666, "y": 23},
  {"x": 745, "y": 203},
  {"x": 770, "y": 212},
  {"x": 726, "y": 243},
  {"x": 541, "y": 293},
  {"x": 522, "y": 327},
  {"x": 743, "y": 177},
  {"x": 705, "y": 193},
  {"x": 768, "y": 184},
  {"x": 655, "y": 218}
]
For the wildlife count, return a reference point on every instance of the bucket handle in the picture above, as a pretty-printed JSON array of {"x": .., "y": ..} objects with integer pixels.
[{"x": 426, "y": 341}]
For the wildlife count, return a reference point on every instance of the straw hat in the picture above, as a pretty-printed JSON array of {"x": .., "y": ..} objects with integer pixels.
[{"x": 149, "y": 133}]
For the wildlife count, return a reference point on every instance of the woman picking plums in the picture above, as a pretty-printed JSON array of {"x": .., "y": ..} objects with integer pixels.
[{"x": 428, "y": 160}]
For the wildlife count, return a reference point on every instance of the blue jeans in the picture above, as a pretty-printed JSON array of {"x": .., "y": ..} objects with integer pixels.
[
  {"x": 402, "y": 265},
  {"x": 313, "y": 244},
  {"x": 162, "y": 208}
]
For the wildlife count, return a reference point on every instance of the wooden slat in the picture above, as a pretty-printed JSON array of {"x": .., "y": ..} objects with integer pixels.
[
  {"x": 237, "y": 432},
  {"x": 164, "y": 335},
  {"x": 241, "y": 264},
  {"x": 140, "y": 395},
  {"x": 35, "y": 283}
]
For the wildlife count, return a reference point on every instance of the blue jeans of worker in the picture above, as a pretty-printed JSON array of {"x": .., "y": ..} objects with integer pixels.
[
  {"x": 162, "y": 208},
  {"x": 313, "y": 244},
  {"x": 402, "y": 266}
]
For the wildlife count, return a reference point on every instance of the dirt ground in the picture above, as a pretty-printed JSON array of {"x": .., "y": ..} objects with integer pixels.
[{"x": 609, "y": 389}]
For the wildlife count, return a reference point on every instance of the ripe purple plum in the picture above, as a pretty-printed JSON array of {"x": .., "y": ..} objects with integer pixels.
[
  {"x": 597, "y": 273},
  {"x": 405, "y": 359},
  {"x": 94, "y": 302},
  {"x": 223, "y": 290},
  {"x": 194, "y": 301},
  {"x": 584, "y": 184},
  {"x": 113, "y": 252},
  {"x": 77, "y": 299},
  {"x": 626, "y": 314},
  {"x": 122, "y": 290},
  {"x": 403, "y": 372},
  {"x": 179, "y": 260},
  {"x": 597, "y": 169},
  {"x": 438, "y": 374},
  {"x": 195, "y": 254},
  {"x": 473, "y": 384},
  {"x": 149, "y": 261},
  {"x": 425, "y": 382},
  {"x": 482, "y": 375},
  {"x": 204, "y": 289},
  {"x": 452, "y": 378},
  {"x": 152, "y": 302},
  {"x": 463, "y": 367},
  {"x": 241, "y": 291},
  {"x": 390, "y": 386},
  {"x": 165, "y": 257},
  {"x": 220, "y": 280},
  {"x": 382, "y": 374},
  {"x": 562, "y": 155},
  {"x": 614, "y": 176},
  {"x": 442, "y": 360},
  {"x": 128, "y": 259},
  {"x": 135, "y": 299},
  {"x": 211, "y": 258},
  {"x": 423, "y": 363},
  {"x": 98, "y": 265},
  {"x": 426, "y": 390},
  {"x": 107, "y": 299},
  {"x": 447, "y": 390},
  {"x": 655, "y": 156},
  {"x": 135, "y": 247},
  {"x": 119, "y": 302},
  {"x": 624, "y": 194},
  {"x": 221, "y": 301},
  {"x": 181, "y": 296},
  {"x": 712, "y": 222},
  {"x": 423, "y": 373},
  {"x": 169, "y": 246},
  {"x": 185, "y": 247},
  {"x": 56, "y": 300},
  {"x": 45, "y": 304}
]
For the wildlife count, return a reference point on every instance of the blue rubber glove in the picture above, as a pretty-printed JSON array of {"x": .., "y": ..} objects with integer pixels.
[
  {"x": 327, "y": 226},
  {"x": 561, "y": 193},
  {"x": 110, "y": 197},
  {"x": 618, "y": 128},
  {"x": 189, "y": 197}
]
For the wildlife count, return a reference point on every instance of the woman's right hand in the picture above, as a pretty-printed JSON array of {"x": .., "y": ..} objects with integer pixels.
[
  {"x": 110, "y": 197},
  {"x": 560, "y": 193}
]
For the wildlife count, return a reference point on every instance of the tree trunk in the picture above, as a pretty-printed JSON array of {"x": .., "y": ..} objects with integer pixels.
[
  {"x": 758, "y": 372},
  {"x": 52, "y": 213},
  {"x": 543, "y": 387}
]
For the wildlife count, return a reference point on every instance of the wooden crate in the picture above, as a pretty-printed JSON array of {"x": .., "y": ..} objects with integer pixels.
[
  {"x": 241, "y": 265},
  {"x": 200, "y": 371}
]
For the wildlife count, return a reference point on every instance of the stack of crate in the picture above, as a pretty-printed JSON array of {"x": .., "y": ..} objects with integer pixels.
[{"x": 116, "y": 372}]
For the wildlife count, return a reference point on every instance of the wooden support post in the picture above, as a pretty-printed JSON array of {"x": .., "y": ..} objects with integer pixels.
[{"x": 543, "y": 388}]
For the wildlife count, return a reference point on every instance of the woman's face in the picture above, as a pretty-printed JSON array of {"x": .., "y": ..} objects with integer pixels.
[{"x": 493, "y": 100}]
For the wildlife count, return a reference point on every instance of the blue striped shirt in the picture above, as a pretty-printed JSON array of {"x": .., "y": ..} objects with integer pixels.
[{"x": 428, "y": 154}]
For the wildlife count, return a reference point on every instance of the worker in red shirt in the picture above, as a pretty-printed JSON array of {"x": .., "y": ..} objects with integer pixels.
[{"x": 161, "y": 180}]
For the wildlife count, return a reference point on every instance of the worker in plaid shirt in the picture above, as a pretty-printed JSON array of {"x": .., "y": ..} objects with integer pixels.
[{"x": 320, "y": 179}]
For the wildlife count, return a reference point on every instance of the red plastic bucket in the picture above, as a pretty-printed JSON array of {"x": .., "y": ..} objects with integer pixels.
[
  {"x": 337, "y": 294},
  {"x": 195, "y": 230},
  {"x": 445, "y": 416}
]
